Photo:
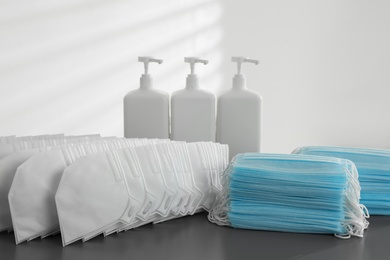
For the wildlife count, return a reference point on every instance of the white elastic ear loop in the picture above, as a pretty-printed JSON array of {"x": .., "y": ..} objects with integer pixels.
[
  {"x": 355, "y": 214},
  {"x": 219, "y": 213}
]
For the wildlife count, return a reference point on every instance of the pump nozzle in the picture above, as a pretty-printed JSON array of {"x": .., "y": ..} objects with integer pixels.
[
  {"x": 192, "y": 61},
  {"x": 147, "y": 60},
  {"x": 241, "y": 60}
]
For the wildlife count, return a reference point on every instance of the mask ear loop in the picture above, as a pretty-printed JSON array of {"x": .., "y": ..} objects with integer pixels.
[
  {"x": 219, "y": 214},
  {"x": 355, "y": 214}
]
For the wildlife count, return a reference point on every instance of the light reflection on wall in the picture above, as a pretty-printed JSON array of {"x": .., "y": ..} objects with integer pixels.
[{"x": 66, "y": 66}]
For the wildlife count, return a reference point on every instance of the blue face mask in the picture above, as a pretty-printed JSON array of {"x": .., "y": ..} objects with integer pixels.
[
  {"x": 291, "y": 193},
  {"x": 374, "y": 173}
]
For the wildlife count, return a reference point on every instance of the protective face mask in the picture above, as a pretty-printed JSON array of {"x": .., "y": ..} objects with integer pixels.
[
  {"x": 213, "y": 161},
  {"x": 129, "y": 162},
  {"x": 151, "y": 195},
  {"x": 7, "y": 139},
  {"x": 291, "y": 193},
  {"x": 124, "y": 161},
  {"x": 140, "y": 200},
  {"x": 166, "y": 164},
  {"x": 24, "y": 143},
  {"x": 187, "y": 172},
  {"x": 209, "y": 160},
  {"x": 8, "y": 166},
  {"x": 154, "y": 184},
  {"x": 374, "y": 173},
  {"x": 173, "y": 172},
  {"x": 31, "y": 195},
  {"x": 150, "y": 159},
  {"x": 202, "y": 173},
  {"x": 138, "y": 183},
  {"x": 95, "y": 179}
]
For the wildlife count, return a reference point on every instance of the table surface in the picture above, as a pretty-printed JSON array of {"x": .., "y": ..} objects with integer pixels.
[{"x": 193, "y": 237}]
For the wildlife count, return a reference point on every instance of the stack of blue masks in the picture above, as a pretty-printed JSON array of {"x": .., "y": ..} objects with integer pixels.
[
  {"x": 374, "y": 173},
  {"x": 291, "y": 193}
]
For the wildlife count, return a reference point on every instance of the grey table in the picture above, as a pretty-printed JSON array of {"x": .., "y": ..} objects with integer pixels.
[{"x": 193, "y": 237}]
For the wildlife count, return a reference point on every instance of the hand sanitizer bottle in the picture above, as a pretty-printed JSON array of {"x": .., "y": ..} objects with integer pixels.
[
  {"x": 146, "y": 110},
  {"x": 239, "y": 115},
  {"x": 193, "y": 110}
]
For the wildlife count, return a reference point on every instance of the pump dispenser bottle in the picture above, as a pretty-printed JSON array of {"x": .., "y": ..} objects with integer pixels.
[
  {"x": 193, "y": 110},
  {"x": 146, "y": 110},
  {"x": 239, "y": 115}
]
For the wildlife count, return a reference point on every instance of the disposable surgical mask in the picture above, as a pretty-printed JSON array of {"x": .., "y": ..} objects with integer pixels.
[
  {"x": 374, "y": 173},
  {"x": 291, "y": 193}
]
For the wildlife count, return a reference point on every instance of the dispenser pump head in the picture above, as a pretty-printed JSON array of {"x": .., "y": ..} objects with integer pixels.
[
  {"x": 241, "y": 60},
  {"x": 192, "y": 79},
  {"x": 146, "y": 80},
  {"x": 192, "y": 61},
  {"x": 239, "y": 81},
  {"x": 147, "y": 60}
]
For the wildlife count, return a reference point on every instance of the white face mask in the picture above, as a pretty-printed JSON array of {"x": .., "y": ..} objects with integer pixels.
[
  {"x": 172, "y": 170},
  {"x": 31, "y": 195},
  {"x": 202, "y": 173},
  {"x": 39, "y": 177},
  {"x": 28, "y": 196},
  {"x": 128, "y": 161},
  {"x": 24, "y": 143},
  {"x": 95, "y": 179},
  {"x": 154, "y": 184},
  {"x": 153, "y": 181},
  {"x": 8, "y": 166},
  {"x": 7, "y": 139}
]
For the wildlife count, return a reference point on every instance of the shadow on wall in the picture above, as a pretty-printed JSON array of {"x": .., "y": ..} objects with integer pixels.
[{"x": 66, "y": 66}]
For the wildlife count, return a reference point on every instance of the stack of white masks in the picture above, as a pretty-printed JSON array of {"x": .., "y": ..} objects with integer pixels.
[
  {"x": 374, "y": 173},
  {"x": 7, "y": 139},
  {"x": 291, "y": 193},
  {"x": 122, "y": 189},
  {"x": 14, "y": 154},
  {"x": 31, "y": 196}
]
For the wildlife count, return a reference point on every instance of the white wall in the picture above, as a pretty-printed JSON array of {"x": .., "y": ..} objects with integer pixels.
[
  {"x": 65, "y": 66},
  {"x": 324, "y": 72}
]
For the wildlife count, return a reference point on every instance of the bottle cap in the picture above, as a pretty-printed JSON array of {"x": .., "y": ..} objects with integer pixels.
[
  {"x": 146, "y": 80},
  {"x": 239, "y": 81},
  {"x": 192, "y": 81}
]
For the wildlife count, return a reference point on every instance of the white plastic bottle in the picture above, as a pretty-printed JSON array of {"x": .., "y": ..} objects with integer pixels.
[
  {"x": 193, "y": 110},
  {"x": 239, "y": 115},
  {"x": 146, "y": 110}
]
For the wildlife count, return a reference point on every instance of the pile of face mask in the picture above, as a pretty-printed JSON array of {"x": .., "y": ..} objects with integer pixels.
[
  {"x": 374, "y": 173},
  {"x": 14, "y": 152},
  {"x": 109, "y": 184},
  {"x": 35, "y": 182},
  {"x": 123, "y": 189},
  {"x": 291, "y": 193}
]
